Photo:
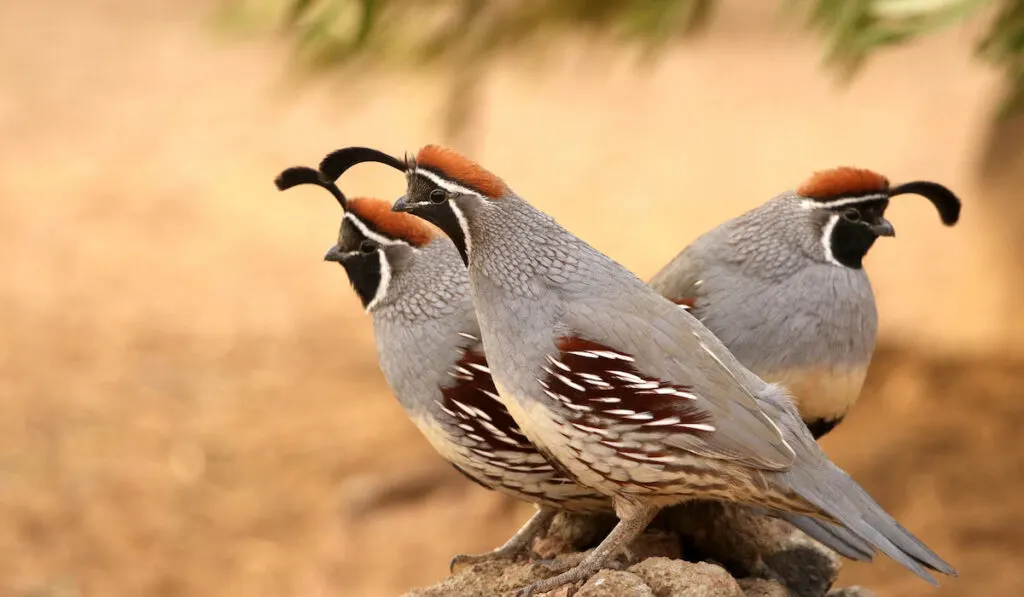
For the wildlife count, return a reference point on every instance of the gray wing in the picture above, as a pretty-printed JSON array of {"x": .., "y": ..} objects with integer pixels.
[
  {"x": 670, "y": 345},
  {"x": 681, "y": 278}
]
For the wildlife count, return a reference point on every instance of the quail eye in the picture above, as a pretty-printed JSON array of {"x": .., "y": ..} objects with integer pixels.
[
  {"x": 367, "y": 246},
  {"x": 852, "y": 215},
  {"x": 437, "y": 196}
]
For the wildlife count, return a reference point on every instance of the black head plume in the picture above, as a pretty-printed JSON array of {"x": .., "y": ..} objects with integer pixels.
[
  {"x": 942, "y": 198},
  {"x": 297, "y": 175},
  {"x": 337, "y": 162}
]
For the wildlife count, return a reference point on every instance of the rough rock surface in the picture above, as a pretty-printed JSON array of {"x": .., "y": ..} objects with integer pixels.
[{"x": 699, "y": 549}]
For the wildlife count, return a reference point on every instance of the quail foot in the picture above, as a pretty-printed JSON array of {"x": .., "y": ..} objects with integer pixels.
[
  {"x": 784, "y": 288},
  {"x": 631, "y": 395}
]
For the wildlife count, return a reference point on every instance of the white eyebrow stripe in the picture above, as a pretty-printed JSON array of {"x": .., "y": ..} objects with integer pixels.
[
  {"x": 812, "y": 204},
  {"x": 370, "y": 234},
  {"x": 446, "y": 184}
]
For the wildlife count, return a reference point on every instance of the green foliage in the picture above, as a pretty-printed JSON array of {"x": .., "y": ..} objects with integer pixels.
[{"x": 470, "y": 33}]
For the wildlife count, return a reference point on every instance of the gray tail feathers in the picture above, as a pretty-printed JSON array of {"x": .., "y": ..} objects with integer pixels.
[
  {"x": 833, "y": 491},
  {"x": 834, "y": 537}
]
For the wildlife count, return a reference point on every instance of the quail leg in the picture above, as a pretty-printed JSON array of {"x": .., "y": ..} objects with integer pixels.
[
  {"x": 521, "y": 542},
  {"x": 633, "y": 519}
]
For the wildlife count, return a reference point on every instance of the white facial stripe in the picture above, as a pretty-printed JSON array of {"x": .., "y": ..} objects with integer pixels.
[
  {"x": 370, "y": 234},
  {"x": 812, "y": 204},
  {"x": 462, "y": 224},
  {"x": 446, "y": 184},
  {"x": 382, "y": 286},
  {"x": 826, "y": 239}
]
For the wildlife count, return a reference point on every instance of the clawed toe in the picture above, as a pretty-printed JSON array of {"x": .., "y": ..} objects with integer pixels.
[{"x": 463, "y": 560}]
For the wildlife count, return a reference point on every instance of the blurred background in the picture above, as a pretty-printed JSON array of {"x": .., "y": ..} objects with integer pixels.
[{"x": 189, "y": 397}]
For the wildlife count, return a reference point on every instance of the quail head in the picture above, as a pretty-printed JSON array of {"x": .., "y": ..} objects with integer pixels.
[
  {"x": 630, "y": 394},
  {"x": 784, "y": 288},
  {"x": 412, "y": 282}
]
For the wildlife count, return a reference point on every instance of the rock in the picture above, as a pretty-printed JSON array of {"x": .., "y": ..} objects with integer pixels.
[
  {"x": 806, "y": 567},
  {"x": 609, "y": 583},
  {"x": 750, "y": 544},
  {"x": 486, "y": 579},
  {"x": 573, "y": 532},
  {"x": 678, "y": 578},
  {"x": 853, "y": 591},
  {"x": 760, "y": 587}
]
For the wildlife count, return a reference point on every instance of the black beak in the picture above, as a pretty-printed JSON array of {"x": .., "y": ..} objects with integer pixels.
[
  {"x": 334, "y": 254},
  {"x": 402, "y": 205},
  {"x": 882, "y": 228},
  {"x": 440, "y": 215}
]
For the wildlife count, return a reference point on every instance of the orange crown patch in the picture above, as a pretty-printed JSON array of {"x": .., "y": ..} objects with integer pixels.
[
  {"x": 461, "y": 170},
  {"x": 843, "y": 182},
  {"x": 377, "y": 214}
]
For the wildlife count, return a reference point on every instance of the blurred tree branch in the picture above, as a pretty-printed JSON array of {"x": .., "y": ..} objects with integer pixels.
[{"x": 471, "y": 33}]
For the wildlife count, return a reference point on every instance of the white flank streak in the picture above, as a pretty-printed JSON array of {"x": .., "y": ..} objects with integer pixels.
[
  {"x": 555, "y": 396},
  {"x": 686, "y": 395},
  {"x": 462, "y": 221},
  {"x": 621, "y": 412},
  {"x": 647, "y": 385},
  {"x": 466, "y": 427},
  {"x": 385, "y": 280},
  {"x": 577, "y": 407},
  {"x": 590, "y": 429},
  {"x": 494, "y": 430},
  {"x": 659, "y": 458},
  {"x": 609, "y": 400},
  {"x": 611, "y": 444},
  {"x": 613, "y": 355},
  {"x": 665, "y": 421},
  {"x": 570, "y": 383},
  {"x": 589, "y": 376},
  {"x": 699, "y": 426},
  {"x": 482, "y": 414},
  {"x": 450, "y": 413},
  {"x": 826, "y": 239},
  {"x": 463, "y": 371},
  {"x": 625, "y": 376},
  {"x": 665, "y": 391},
  {"x": 491, "y": 394},
  {"x": 641, "y": 417},
  {"x": 584, "y": 353},
  {"x": 698, "y": 283},
  {"x": 476, "y": 437},
  {"x": 543, "y": 383},
  {"x": 557, "y": 363},
  {"x": 598, "y": 383},
  {"x": 469, "y": 410},
  {"x": 483, "y": 453},
  {"x": 468, "y": 336},
  {"x": 480, "y": 367}
]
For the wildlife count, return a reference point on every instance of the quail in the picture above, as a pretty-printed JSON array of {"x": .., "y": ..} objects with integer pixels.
[
  {"x": 631, "y": 395},
  {"x": 411, "y": 280},
  {"x": 784, "y": 288}
]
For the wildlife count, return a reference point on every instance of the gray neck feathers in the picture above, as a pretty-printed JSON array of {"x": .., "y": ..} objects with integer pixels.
[
  {"x": 425, "y": 283},
  {"x": 774, "y": 240},
  {"x": 417, "y": 326}
]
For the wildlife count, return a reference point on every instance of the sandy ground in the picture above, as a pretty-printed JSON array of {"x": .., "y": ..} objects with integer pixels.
[{"x": 190, "y": 400}]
